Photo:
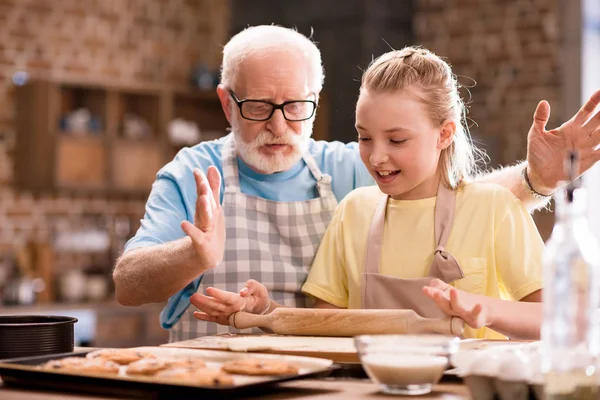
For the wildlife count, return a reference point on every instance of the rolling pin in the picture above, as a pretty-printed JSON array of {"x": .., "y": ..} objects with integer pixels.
[{"x": 334, "y": 322}]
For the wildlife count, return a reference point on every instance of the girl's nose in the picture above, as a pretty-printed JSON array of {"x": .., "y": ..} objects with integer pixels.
[{"x": 378, "y": 158}]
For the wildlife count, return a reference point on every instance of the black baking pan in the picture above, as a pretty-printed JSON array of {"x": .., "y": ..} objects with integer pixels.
[
  {"x": 23, "y": 372},
  {"x": 35, "y": 335}
]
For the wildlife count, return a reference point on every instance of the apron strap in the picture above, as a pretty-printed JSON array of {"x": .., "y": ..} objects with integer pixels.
[
  {"x": 445, "y": 205},
  {"x": 444, "y": 266},
  {"x": 323, "y": 180},
  {"x": 231, "y": 175},
  {"x": 375, "y": 239},
  {"x": 312, "y": 164}
]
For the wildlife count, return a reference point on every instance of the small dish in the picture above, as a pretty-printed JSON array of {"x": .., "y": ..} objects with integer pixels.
[{"x": 405, "y": 364}]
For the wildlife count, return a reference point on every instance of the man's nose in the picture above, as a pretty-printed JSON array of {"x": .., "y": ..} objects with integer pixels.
[{"x": 277, "y": 124}]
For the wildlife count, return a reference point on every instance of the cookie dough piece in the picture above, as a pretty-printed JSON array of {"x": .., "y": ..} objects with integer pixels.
[
  {"x": 63, "y": 363},
  {"x": 201, "y": 377},
  {"x": 80, "y": 364},
  {"x": 190, "y": 363},
  {"x": 120, "y": 356},
  {"x": 98, "y": 366},
  {"x": 255, "y": 366},
  {"x": 146, "y": 366}
]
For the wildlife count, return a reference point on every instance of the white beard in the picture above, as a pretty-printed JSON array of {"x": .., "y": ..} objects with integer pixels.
[{"x": 269, "y": 164}]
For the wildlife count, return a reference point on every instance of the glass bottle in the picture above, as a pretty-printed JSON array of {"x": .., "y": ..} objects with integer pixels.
[{"x": 571, "y": 294}]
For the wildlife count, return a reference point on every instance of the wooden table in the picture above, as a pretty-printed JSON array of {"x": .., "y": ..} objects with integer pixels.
[{"x": 322, "y": 389}]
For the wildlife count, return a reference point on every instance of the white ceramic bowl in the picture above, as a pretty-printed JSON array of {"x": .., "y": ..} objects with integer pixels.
[{"x": 405, "y": 364}]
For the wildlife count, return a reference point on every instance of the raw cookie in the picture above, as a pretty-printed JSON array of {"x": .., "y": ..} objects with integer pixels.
[
  {"x": 146, "y": 366},
  {"x": 97, "y": 366},
  {"x": 63, "y": 363},
  {"x": 80, "y": 364},
  {"x": 120, "y": 356},
  {"x": 254, "y": 366},
  {"x": 191, "y": 363},
  {"x": 202, "y": 377}
]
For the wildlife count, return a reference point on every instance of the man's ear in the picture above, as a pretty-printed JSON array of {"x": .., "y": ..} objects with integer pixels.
[
  {"x": 226, "y": 101},
  {"x": 446, "y": 134}
]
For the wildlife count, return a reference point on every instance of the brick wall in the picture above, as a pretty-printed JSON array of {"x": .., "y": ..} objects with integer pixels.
[
  {"x": 133, "y": 41},
  {"x": 348, "y": 32},
  {"x": 512, "y": 50}
]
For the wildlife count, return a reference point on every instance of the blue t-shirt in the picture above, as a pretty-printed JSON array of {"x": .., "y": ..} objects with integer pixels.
[{"x": 173, "y": 196}]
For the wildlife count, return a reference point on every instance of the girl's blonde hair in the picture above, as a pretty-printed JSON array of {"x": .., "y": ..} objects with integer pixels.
[{"x": 437, "y": 89}]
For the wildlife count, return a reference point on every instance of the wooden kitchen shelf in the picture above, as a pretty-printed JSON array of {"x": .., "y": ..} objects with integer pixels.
[
  {"x": 105, "y": 156},
  {"x": 144, "y": 105},
  {"x": 81, "y": 161},
  {"x": 135, "y": 163},
  {"x": 203, "y": 109}
]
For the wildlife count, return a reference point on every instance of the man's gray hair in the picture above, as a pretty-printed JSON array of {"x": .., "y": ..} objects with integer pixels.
[{"x": 266, "y": 38}]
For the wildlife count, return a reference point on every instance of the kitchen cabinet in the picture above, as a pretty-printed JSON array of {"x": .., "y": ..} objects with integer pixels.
[{"x": 82, "y": 137}]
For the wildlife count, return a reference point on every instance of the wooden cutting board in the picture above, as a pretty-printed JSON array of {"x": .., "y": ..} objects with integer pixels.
[{"x": 338, "y": 349}]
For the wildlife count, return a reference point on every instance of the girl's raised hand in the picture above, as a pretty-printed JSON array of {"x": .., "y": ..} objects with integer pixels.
[
  {"x": 457, "y": 303},
  {"x": 257, "y": 297}
]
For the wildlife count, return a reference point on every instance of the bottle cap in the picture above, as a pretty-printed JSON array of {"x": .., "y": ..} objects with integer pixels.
[{"x": 571, "y": 170}]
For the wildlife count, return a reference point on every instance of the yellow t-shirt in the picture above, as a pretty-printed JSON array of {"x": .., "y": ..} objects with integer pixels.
[{"x": 494, "y": 240}]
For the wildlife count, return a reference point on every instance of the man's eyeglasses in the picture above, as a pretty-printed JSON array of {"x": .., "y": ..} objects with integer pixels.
[{"x": 260, "y": 110}]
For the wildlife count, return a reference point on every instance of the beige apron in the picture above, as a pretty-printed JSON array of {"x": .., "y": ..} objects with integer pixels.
[{"x": 382, "y": 291}]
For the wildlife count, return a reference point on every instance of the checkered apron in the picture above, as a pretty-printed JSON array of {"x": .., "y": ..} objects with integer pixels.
[{"x": 270, "y": 241}]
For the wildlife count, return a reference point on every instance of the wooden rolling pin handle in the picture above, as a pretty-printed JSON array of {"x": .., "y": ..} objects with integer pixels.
[
  {"x": 240, "y": 321},
  {"x": 244, "y": 320},
  {"x": 444, "y": 326},
  {"x": 232, "y": 320},
  {"x": 457, "y": 326}
]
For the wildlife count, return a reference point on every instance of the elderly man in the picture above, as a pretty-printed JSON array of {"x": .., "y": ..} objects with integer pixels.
[{"x": 265, "y": 219}]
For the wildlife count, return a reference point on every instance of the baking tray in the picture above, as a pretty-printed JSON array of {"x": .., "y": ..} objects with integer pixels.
[{"x": 24, "y": 372}]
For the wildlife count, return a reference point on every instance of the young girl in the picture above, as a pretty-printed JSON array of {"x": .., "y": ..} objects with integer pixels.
[{"x": 423, "y": 220}]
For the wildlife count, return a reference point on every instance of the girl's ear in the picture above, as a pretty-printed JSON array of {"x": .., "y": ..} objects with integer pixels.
[{"x": 446, "y": 134}]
